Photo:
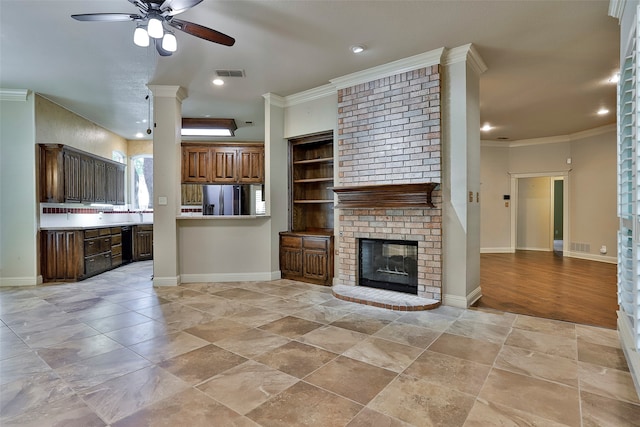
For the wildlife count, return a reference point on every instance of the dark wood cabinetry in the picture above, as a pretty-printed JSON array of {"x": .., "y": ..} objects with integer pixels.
[
  {"x": 192, "y": 194},
  {"x": 97, "y": 251},
  {"x": 71, "y": 255},
  {"x": 240, "y": 163},
  {"x": 307, "y": 257},
  {"x": 62, "y": 255},
  {"x": 306, "y": 252},
  {"x": 142, "y": 242},
  {"x": 116, "y": 246},
  {"x": 68, "y": 175}
]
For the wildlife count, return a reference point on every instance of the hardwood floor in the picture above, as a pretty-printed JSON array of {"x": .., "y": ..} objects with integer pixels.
[{"x": 546, "y": 285}]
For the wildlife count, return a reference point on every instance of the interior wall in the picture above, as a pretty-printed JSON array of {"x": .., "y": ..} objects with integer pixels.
[
  {"x": 534, "y": 214},
  {"x": 57, "y": 125},
  {"x": 495, "y": 212},
  {"x": 18, "y": 201}
]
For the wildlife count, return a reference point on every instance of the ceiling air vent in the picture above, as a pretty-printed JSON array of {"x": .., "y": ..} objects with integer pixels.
[{"x": 230, "y": 73}]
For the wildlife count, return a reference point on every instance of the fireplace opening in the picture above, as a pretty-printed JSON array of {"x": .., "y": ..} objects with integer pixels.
[{"x": 389, "y": 264}]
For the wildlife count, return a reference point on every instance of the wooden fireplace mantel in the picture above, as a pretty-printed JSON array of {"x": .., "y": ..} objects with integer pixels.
[{"x": 386, "y": 196}]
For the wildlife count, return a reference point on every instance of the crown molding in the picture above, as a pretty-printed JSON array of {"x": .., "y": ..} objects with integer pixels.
[
  {"x": 310, "y": 95},
  {"x": 427, "y": 59},
  {"x": 169, "y": 91},
  {"x": 616, "y": 8},
  {"x": 552, "y": 139},
  {"x": 468, "y": 53},
  {"x": 275, "y": 100},
  {"x": 14, "y": 94}
]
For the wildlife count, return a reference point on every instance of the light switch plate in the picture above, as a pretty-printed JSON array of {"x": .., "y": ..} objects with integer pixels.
[{"x": 162, "y": 200}]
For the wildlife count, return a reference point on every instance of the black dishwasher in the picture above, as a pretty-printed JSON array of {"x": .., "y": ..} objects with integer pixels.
[{"x": 127, "y": 245}]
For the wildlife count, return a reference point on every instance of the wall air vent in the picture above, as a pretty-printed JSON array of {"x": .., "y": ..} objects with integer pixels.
[{"x": 230, "y": 73}]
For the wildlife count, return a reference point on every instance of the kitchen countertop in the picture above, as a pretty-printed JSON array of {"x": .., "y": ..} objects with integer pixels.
[
  {"x": 217, "y": 217},
  {"x": 90, "y": 227}
]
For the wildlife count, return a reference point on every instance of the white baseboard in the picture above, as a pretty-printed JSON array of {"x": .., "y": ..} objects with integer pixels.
[
  {"x": 591, "y": 257},
  {"x": 631, "y": 354},
  {"x": 462, "y": 302},
  {"x": 535, "y": 249},
  {"x": 20, "y": 281},
  {"x": 231, "y": 277},
  {"x": 166, "y": 281},
  {"x": 497, "y": 250}
]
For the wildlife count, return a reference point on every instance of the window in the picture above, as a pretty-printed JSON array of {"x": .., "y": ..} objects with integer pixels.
[
  {"x": 142, "y": 182},
  {"x": 118, "y": 156}
]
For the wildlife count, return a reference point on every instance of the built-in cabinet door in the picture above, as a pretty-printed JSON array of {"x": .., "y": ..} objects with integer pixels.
[
  {"x": 100, "y": 182},
  {"x": 87, "y": 179},
  {"x": 196, "y": 163},
  {"x": 143, "y": 243},
  {"x": 119, "y": 184},
  {"x": 61, "y": 255},
  {"x": 111, "y": 171},
  {"x": 192, "y": 194},
  {"x": 250, "y": 165},
  {"x": 72, "y": 177},
  {"x": 224, "y": 165}
]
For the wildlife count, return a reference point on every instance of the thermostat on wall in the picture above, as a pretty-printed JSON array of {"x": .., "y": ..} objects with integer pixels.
[{"x": 506, "y": 197}]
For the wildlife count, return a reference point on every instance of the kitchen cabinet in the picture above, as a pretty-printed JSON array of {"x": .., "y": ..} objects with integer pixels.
[
  {"x": 71, "y": 178},
  {"x": 196, "y": 164},
  {"x": 116, "y": 246},
  {"x": 100, "y": 181},
  {"x": 142, "y": 242},
  {"x": 307, "y": 257},
  {"x": 62, "y": 256},
  {"x": 251, "y": 165},
  {"x": 224, "y": 163},
  {"x": 97, "y": 251},
  {"x": 68, "y": 175},
  {"x": 191, "y": 194},
  {"x": 72, "y": 255}
]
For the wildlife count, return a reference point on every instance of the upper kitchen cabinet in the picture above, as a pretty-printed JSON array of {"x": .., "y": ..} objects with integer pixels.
[
  {"x": 68, "y": 175},
  {"x": 222, "y": 163}
]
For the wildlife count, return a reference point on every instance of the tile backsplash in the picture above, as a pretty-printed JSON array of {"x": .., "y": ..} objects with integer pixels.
[{"x": 57, "y": 215}]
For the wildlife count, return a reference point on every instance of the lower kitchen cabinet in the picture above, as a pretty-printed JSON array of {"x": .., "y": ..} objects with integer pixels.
[
  {"x": 142, "y": 242},
  {"x": 72, "y": 255},
  {"x": 62, "y": 255},
  {"x": 307, "y": 257}
]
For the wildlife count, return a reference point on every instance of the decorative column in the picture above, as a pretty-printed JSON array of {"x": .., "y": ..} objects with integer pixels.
[
  {"x": 167, "y": 117},
  {"x": 461, "y": 196}
]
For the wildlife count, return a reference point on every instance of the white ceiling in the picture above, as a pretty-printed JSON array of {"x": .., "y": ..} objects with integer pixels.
[{"x": 548, "y": 61}]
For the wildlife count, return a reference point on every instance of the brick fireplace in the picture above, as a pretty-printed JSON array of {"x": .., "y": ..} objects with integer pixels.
[{"x": 389, "y": 155}]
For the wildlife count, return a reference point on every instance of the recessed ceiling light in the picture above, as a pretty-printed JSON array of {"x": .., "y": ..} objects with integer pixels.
[
  {"x": 603, "y": 111},
  {"x": 615, "y": 78},
  {"x": 357, "y": 48},
  {"x": 139, "y": 135},
  {"x": 487, "y": 127},
  {"x": 218, "y": 82}
]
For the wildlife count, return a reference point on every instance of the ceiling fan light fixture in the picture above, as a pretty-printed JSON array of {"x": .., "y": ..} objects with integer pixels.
[
  {"x": 155, "y": 28},
  {"x": 141, "y": 37},
  {"x": 169, "y": 42}
]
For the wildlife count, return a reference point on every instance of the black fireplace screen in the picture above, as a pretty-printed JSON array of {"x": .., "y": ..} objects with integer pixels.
[{"x": 389, "y": 264}]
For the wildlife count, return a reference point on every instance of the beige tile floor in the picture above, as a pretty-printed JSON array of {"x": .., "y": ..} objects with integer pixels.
[{"x": 114, "y": 350}]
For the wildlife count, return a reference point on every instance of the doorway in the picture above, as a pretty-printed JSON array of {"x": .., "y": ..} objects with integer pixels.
[{"x": 539, "y": 214}]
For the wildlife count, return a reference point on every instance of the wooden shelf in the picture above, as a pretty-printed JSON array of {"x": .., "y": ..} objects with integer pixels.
[
  {"x": 320, "y": 160},
  {"x": 307, "y": 180},
  {"x": 312, "y": 201}
]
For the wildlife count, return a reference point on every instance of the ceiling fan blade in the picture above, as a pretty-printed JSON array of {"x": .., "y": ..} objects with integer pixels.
[
  {"x": 106, "y": 17},
  {"x": 161, "y": 51},
  {"x": 202, "y": 32},
  {"x": 178, "y": 6}
]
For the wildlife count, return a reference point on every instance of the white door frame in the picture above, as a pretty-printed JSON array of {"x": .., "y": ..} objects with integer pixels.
[{"x": 564, "y": 175}]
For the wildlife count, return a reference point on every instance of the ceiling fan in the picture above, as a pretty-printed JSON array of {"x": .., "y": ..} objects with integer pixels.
[{"x": 153, "y": 15}]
